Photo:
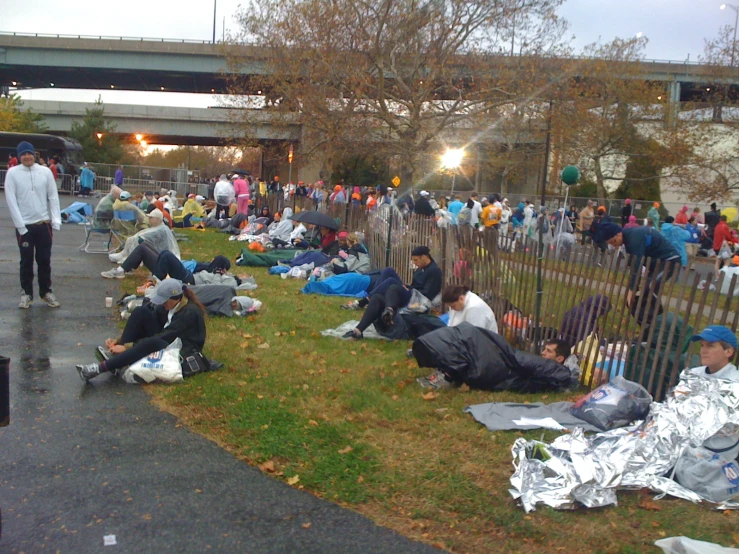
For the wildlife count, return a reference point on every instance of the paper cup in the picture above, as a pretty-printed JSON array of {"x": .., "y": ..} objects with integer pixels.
[{"x": 108, "y": 301}]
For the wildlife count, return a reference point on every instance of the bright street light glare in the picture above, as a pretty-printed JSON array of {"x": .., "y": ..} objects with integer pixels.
[
  {"x": 143, "y": 144},
  {"x": 452, "y": 158},
  {"x": 722, "y": 7},
  {"x": 139, "y": 137}
]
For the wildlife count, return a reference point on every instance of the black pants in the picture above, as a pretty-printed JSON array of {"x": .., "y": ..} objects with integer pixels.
[
  {"x": 396, "y": 296},
  {"x": 168, "y": 264},
  {"x": 222, "y": 211},
  {"x": 145, "y": 254},
  {"x": 36, "y": 243},
  {"x": 140, "y": 330}
]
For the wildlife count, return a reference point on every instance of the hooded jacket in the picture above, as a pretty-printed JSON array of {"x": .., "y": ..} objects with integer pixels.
[
  {"x": 357, "y": 262},
  {"x": 678, "y": 237},
  {"x": 32, "y": 197},
  {"x": 476, "y": 312},
  {"x": 282, "y": 229}
]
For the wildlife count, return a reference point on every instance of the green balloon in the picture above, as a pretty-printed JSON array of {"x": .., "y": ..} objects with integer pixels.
[{"x": 570, "y": 175}]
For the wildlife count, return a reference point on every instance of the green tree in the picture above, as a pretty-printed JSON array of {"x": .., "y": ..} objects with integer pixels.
[
  {"x": 14, "y": 119},
  {"x": 108, "y": 148}
]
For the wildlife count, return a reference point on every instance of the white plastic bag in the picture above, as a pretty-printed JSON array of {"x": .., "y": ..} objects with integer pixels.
[
  {"x": 163, "y": 365},
  {"x": 710, "y": 475},
  {"x": 685, "y": 545}
]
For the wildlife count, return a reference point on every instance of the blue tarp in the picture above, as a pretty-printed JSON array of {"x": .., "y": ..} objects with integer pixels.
[
  {"x": 278, "y": 269},
  {"x": 347, "y": 284},
  {"x": 76, "y": 212}
]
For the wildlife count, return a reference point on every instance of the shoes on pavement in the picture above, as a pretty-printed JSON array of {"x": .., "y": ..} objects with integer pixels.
[
  {"x": 115, "y": 273},
  {"x": 50, "y": 300},
  {"x": 437, "y": 380},
  {"x": 88, "y": 371},
  {"x": 25, "y": 302}
]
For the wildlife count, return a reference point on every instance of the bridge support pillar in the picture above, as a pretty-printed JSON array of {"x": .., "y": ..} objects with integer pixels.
[{"x": 674, "y": 104}]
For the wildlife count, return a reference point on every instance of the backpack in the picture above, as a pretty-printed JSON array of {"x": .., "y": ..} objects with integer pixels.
[{"x": 465, "y": 216}]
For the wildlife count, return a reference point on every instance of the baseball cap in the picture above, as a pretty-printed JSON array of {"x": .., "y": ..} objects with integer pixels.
[
  {"x": 166, "y": 290},
  {"x": 424, "y": 193},
  {"x": 715, "y": 333},
  {"x": 125, "y": 195}
]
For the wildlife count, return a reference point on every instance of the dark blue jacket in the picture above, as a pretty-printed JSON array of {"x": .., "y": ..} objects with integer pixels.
[{"x": 647, "y": 242}]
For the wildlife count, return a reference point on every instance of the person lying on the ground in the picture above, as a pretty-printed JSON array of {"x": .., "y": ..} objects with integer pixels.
[
  {"x": 164, "y": 263},
  {"x": 124, "y": 204},
  {"x": 158, "y": 235},
  {"x": 390, "y": 294},
  {"x": 484, "y": 360},
  {"x": 465, "y": 305},
  {"x": 282, "y": 226},
  {"x": 643, "y": 242},
  {"x": 352, "y": 258},
  {"x": 177, "y": 313}
]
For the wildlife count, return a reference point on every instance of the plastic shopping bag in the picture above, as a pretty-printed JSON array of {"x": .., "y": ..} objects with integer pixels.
[
  {"x": 614, "y": 404},
  {"x": 710, "y": 475},
  {"x": 163, "y": 365}
]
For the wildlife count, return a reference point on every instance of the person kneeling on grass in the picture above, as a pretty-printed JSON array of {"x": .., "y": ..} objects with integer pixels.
[
  {"x": 390, "y": 294},
  {"x": 175, "y": 312}
]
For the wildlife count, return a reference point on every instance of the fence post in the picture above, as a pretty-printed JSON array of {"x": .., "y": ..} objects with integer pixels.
[{"x": 389, "y": 235}]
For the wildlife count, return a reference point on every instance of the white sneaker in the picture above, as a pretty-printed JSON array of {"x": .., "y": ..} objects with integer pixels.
[
  {"x": 25, "y": 302},
  {"x": 115, "y": 258},
  {"x": 115, "y": 273},
  {"x": 50, "y": 300}
]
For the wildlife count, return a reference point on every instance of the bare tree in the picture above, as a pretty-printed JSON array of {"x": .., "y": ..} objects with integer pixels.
[{"x": 393, "y": 77}]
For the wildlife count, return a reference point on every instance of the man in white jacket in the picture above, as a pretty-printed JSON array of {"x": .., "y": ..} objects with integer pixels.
[{"x": 33, "y": 201}]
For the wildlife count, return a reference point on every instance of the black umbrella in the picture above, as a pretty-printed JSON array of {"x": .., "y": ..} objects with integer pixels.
[
  {"x": 241, "y": 171},
  {"x": 317, "y": 218}
]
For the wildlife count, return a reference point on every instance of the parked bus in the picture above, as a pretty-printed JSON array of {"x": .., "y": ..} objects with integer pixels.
[{"x": 66, "y": 150}]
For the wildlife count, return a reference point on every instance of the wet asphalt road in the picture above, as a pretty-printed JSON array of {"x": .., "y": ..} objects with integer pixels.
[{"x": 79, "y": 462}]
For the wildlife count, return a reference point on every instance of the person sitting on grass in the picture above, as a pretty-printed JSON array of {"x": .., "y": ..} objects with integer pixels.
[
  {"x": 465, "y": 305},
  {"x": 353, "y": 257},
  {"x": 177, "y": 313},
  {"x": 390, "y": 294}
]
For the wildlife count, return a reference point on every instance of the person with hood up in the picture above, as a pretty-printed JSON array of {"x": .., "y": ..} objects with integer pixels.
[
  {"x": 225, "y": 195},
  {"x": 653, "y": 214},
  {"x": 677, "y": 236},
  {"x": 192, "y": 210},
  {"x": 423, "y": 206},
  {"x": 177, "y": 314},
  {"x": 528, "y": 221},
  {"x": 682, "y": 216},
  {"x": 582, "y": 320},
  {"x": 632, "y": 222},
  {"x": 698, "y": 215},
  {"x": 266, "y": 216},
  {"x": 102, "y": 217},
  {"x": 626, "y": 212},
  {"x": 158, "y": 234},
  {"x": 241, "y": 190},
  {"x": 338, "y": 196},
  {"x": 282, "y": 227},
  {"x": 389, "y": 294},
  {"x": 505, "y": 218},
  {"x": 87, "y": 180}
]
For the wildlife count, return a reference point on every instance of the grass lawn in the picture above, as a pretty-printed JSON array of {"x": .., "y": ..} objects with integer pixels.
[{"x": 346, "y": 421}]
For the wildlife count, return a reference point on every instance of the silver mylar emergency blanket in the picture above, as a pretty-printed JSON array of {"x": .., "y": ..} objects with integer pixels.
[{"x": 577, "y": 470}]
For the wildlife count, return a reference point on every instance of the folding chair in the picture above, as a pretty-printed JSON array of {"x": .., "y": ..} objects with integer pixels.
[
  {"x": 110, "y": 242},
  {"x": 128, "y": 216}
]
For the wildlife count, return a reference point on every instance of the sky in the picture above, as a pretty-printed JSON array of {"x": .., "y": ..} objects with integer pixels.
[{"x": 676, "y": 30}]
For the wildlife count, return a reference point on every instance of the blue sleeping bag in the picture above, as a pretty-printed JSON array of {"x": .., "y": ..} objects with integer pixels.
[{"x": 347, "y": 284}]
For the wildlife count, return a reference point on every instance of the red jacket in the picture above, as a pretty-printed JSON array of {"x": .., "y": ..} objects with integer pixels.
[{"x": 720, "y": 234}]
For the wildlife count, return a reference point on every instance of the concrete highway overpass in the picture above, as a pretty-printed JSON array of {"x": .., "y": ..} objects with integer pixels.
[
  {"x": 165, "y": 125},
  {"x": 37, "y": 61}
]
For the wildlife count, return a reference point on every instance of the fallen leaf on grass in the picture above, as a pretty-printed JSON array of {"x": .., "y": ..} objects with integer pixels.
[
  {"x": 306, "y": 525},
  {"x": 649, "y": 504},
  {"x": 313, "y": 422},
  {"x": 344, "y": 370},
  {"x": 245, "y": 344},
  {"x": 394, "y": 397},
  {"x": 345, "y": 450},
  {"x": 246, "y": 336},
  {"x": 429, "y": 395},
  {"x": 264, "y": 345},
  {"x": 441, "y": 410},
  {"x": 360, "y": 479},
  {"x": 293, "y": 480},
  {"x": 353, "y": 353}
]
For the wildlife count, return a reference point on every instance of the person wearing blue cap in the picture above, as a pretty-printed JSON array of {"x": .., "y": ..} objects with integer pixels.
[
  {"x": 640, "y": 243},
  {"x": 718, "y": 348},
  {"x": 33, "y": 202},
  {"x": 177, "y": 313}
]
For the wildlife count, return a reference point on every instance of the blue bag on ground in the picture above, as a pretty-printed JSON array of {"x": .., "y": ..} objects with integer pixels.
[
  {"x": 278, "y": 269},
  {"x": 614, "y": 404},
  {"x": 346, "y": 284}
]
